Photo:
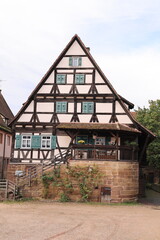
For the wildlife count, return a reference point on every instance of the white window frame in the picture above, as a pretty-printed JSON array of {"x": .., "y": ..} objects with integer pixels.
[
  {"x": 75, "y": 61},
  {"x": 100, "y": 141},
  {"x": 45, "y": 142},
  {"x": 26, "y": 142}
]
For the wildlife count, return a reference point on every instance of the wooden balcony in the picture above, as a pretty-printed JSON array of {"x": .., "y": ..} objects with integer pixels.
[{"x": 100, "y": 152}]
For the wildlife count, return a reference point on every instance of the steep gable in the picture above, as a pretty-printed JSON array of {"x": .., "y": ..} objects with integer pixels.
[{"x": 94, "y": 84}]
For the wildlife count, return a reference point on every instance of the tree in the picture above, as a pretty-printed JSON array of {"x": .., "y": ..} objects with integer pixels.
[{"x": 150, "y": 118}]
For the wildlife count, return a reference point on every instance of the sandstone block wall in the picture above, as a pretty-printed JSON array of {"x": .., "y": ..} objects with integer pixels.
[{"x": 121, "y": 177}]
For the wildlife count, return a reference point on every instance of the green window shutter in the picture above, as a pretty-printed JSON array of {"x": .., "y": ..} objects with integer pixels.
[
  {"x": 90, "y": 107},
  {"x": 61, "y": 107},
  {"x": 70, "y": 61},
  {"x": 64, "y": 107},
  {"x": 18, "y": 141},
  {"x": 79, "y": 78},
  {"x": 79, "y": 61},
  {"x": 58, "y": 107},
  {"x": 36, "y": 142},
  {"x": 85, "y": 107},
  {"x": 60, "y": 78},
  {"x": 53, "y": 142}
]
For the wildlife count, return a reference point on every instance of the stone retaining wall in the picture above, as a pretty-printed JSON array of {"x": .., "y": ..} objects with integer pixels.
[{"x": 121, "y": 177}]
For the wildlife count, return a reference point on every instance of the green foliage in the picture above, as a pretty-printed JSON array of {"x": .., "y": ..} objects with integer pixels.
[
  {"x": 150, "y": 118},
  {"x": 86, "y": 178}
]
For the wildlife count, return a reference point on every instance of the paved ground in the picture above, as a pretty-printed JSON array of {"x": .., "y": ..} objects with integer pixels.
[{"x": 71, "y": 221}]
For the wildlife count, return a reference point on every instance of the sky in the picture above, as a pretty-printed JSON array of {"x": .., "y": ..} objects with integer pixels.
[{"x": 123, "y": 35}]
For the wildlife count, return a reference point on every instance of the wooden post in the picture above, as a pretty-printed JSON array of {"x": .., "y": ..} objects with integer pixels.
[{"x": 6, "y": 192}]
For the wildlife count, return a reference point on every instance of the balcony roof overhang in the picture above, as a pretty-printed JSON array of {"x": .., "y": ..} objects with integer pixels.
[{"x": 98, "y": 126}]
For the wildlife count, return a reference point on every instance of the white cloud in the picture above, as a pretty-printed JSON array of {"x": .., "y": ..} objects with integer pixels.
[
  {"x": 119, "y": 32},
  {"x": 134, "y": 75}
]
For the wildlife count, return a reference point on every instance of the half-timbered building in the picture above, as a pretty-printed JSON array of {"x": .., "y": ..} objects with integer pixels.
[
  {"x": 75, "y": 109},
  {"x": 5, "y": 136}
]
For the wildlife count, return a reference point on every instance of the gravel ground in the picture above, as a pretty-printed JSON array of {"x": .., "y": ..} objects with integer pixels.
[{"x": 71, "y": 221}]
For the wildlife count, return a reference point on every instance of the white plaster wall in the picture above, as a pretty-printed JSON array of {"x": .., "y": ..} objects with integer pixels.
[
  {"x": 45, "y": 152},
  {"x": 45, "y": 89},
  {"x": 88, "y": 78},
  {"x": 63, "y": 63},
  {"x": 45, "y": 107},
  {"x": 103, "y": 107},
  {"x": 70, "y": 107},
  {"x": 103, "y": 89},
  {"x": 83, "y": 88},
  {"x": 64, "y": 71},
  {"x": 75, "y": 49},
  {"x": 86, "y": 62},
  {"x": 35, "y": 154},
  {"x": 56, "y": 151},
  {"x": 119, "y": 109},
  {"x": 64, "y": 117},
  {"x": 123, "y": 119},
  {"x": 8, "y": 145},
  {"x": 84, "y": 70},
  {"x": 98, "y": 78},
  {"x": 44, "y": 117},
  {"x": 63, "y": 141},
  {"x": 84, "y": 117},
  {"x": 70, "y": 79},
  {"x": 78, "y": 107},
  {"x": 50, "y": 79},
  {"x": 15, "y": 154},
  {"x": 25, "y": 118},
  {"x": 28, "y": 157},
  {"x": 30, "y": 107},
  {"x": 64, "y": 88},
  {"x": 103, "y": 118}
]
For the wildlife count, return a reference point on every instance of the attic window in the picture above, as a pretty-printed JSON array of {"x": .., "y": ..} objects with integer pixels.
[{"x": 75, "y": 61}]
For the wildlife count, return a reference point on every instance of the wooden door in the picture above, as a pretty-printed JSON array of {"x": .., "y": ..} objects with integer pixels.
[{"x": 105, "y": 194}]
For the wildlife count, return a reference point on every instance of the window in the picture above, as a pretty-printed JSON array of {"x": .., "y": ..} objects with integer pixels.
[
  {"x": 61, "y": 107},
  {"x": 26, "y": 141},
  {"x": 87, "y": 107},
  {"x": 46, "y": 142},
  {"x": 100, "y": 141},
  {"x": 61, "y": 79},
  {"x": 1, "y": 138},
  {"x": 79, "y": 78},
  {"x": 35, "y": 141},
  {"x": 75, "y": 61}
]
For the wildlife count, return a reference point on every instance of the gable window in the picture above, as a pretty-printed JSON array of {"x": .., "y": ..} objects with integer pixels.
[
  {"x": 46, "y": 142},
  {"x": 61, "y": 107},
  {"x": 1, "y": 138},
  {"x": 75, "y": 61},
  {"x": 87, "y": 107},
  {"x": 26, "y": 141},
  {"x": 79, "y": 79},
  {"x": 60, "y": 78}
]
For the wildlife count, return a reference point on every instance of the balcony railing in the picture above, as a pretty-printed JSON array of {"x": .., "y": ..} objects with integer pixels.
[{"x": 101, "y": 152}]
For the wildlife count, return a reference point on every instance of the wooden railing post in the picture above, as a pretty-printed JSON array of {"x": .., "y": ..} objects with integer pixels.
[{"x": 6, "y": 192}]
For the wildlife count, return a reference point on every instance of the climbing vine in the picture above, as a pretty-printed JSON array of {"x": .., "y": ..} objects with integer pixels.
[{"x": 85, "y": 178}]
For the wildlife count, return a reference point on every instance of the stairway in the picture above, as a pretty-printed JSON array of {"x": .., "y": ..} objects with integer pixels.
[
  {"x": 8, "y": 190},
  {"x": 38, "y": 170}
]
